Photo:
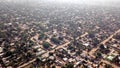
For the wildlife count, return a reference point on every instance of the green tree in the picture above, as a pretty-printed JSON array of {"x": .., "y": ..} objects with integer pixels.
[
  {"x": 108, "y": 66},
  {"x": 46, "y": 45},
  {"x": 53, "y": 66},
  {"x": 55, "y": 40},
  {"x": 63, "y": 67},
  {"x": 42, "y": 36},
  {"x": 68, "y": 65}
]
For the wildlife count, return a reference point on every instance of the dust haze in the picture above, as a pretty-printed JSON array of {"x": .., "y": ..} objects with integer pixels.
[{"x": 115, "y": 3}]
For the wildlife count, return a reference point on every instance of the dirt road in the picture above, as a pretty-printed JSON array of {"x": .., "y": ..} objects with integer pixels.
[
  {"x": 46, "y": 54},
  {"x": 103, "y": 42}
]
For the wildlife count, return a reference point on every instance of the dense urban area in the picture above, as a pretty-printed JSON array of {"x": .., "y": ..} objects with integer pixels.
[{"x": 49, "y": 35}]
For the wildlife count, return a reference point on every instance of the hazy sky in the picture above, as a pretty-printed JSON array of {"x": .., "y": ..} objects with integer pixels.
[
  {"x": 87, "y": 1},
  {"x": 72, "y": 0},
  {"x": 94, "y": 2}
]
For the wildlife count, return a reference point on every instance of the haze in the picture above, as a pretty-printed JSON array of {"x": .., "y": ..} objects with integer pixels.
[{"x": 86, "y": 2}]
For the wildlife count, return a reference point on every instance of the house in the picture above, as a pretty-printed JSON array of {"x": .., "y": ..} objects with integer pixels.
[
  {"x": 1, "y": 49},
  {"x": 86, "y": 44},
  {"x": 110, "y": 57},
  {"x": 40, "y": 53}
]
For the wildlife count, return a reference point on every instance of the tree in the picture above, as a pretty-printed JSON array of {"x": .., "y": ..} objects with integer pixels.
[
  {"x": 60, "y": 38},
  {"x": 91, "y": 34},
  {"x": 42, "y": 36},
  {"x": 2, "y": 63},
  {"x": 117, "y": 36},
  {"x": 68, "y": 65},
  {"x": 108, "y": 66},
  {"x": 79, "y": 52},
  {"x": 98, "y": 55},
  {"x": 63, "y": 67},
  {"x": 46, "y": 45},
  {"x": 8, "y": 53},
  {"x": 95, "y": 41},
  {"x": 119, "y": 52},
  {"x": 70, "y": 46},
  {"x": 53, "y": 66},
  {"x": 55, "y": 40}
]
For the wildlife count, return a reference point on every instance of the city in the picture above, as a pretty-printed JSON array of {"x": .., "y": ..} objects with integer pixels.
[{"x": 50, "y": 35}]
